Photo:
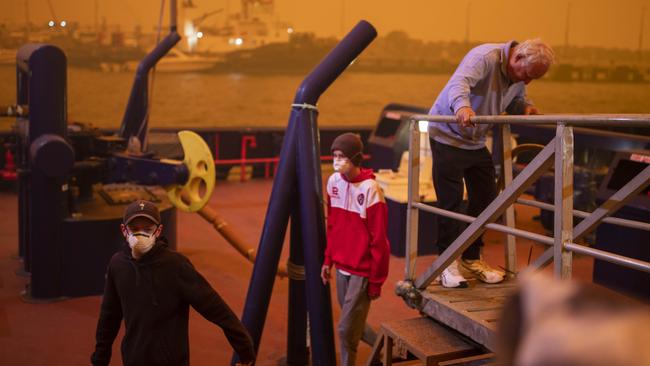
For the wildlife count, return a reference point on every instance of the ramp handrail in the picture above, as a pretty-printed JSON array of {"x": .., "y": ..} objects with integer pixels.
[
  {"x": 627, "y": 120},
  {"x": 558, "y": 153}
]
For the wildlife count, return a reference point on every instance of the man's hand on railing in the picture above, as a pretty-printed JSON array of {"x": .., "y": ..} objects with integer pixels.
[{"x": 463, "y": 116}]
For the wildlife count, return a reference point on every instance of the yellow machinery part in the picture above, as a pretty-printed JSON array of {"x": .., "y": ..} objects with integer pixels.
[{"x": 196, "y": 192}]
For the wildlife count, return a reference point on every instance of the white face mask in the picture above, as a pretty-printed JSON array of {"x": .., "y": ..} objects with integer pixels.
[
  {"x": 140, "y": 242},
  {"x": 342, "y": 165}
]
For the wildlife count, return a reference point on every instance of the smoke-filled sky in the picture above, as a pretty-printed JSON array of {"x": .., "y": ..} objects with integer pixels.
[{"x": 605, "y": 23}]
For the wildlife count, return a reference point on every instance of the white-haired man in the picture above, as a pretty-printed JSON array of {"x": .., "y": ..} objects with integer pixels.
[{"x": 490, "y": 80}]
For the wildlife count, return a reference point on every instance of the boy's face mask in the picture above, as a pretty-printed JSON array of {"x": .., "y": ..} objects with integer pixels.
[
  {"x": 141, "y": 240},
  {"x": 342, "y": 165}
]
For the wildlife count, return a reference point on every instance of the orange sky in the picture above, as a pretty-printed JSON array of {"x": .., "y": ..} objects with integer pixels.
[{"x": 607, "y": 23}]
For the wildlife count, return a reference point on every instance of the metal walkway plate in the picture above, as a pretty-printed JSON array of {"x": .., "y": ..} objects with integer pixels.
[{"x": 472, "y": 311}]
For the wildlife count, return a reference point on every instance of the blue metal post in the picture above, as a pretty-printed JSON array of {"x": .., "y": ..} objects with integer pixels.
[
  {"x": 135, "y": 120},
  {"x": 313, "y": 233},
  {"x": 273, "y": 233},
  {"x": 333, "y": 65},
  {"x": 297, "y": 309},
  {"x": 310, "y": 188},
  {"x": 302, "y": 122}
]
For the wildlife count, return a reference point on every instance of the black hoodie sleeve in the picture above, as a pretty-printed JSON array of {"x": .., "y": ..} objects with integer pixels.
[
  {"x": 108, "y": 325},
  {"x": 204, "y": 299}
]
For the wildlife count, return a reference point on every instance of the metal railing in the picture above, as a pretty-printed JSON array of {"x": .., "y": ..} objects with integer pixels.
[{"x": 558, "y": 153}]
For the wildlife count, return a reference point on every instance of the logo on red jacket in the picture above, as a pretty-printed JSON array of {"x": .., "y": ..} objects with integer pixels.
[{"x": 360, "y": 198}]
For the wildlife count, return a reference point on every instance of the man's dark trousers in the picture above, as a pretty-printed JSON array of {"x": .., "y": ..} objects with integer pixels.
[{"x": 450, "y": 166}]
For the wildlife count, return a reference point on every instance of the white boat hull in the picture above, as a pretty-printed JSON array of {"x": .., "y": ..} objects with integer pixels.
[{"x": 177, "y": 61}]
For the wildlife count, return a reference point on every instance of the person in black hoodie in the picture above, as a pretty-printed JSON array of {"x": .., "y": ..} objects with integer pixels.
[{"x": 152, "y": 287}]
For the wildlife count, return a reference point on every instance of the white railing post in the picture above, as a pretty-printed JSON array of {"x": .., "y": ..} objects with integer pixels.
[
  {"x": 563, "y": 220},
  {"x": 509, "y": 217},
  {"x": 412, "y": 214}
]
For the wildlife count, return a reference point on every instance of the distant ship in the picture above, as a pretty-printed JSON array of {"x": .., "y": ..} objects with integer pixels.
[
  {"x": 299, "y": 55},
  {"x": 254, "y": 26}
]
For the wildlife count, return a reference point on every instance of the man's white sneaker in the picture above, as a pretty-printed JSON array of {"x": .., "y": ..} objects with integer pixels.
[
  {"x": 481, "y": 270},
  {"x": 451, "y": 277}
]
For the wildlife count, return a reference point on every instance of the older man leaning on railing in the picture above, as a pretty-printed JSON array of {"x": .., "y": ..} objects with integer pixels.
[{"x": 558, "y": 153}]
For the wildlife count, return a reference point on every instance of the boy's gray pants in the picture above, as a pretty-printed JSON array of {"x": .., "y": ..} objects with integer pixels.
[{"x": 352, "y": 294}]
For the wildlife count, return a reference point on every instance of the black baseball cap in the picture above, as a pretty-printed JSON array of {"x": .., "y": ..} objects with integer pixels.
[{"x": 141, "y": 208}]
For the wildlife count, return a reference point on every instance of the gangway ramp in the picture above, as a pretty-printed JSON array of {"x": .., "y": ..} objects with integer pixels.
[{"x": 473, "y": 311}]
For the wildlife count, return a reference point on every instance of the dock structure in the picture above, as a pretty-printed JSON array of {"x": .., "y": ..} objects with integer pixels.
[{"x": 474, "y": 312}]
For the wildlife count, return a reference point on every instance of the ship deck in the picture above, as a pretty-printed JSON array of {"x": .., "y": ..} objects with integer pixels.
[{"x": 62, "y": 333}]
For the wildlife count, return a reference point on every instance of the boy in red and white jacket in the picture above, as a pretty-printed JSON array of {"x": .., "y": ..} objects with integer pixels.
[{"x": 356, "y": 242}]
